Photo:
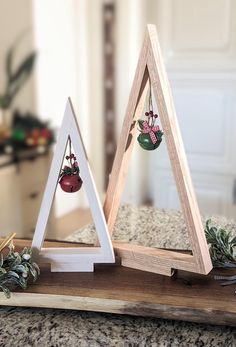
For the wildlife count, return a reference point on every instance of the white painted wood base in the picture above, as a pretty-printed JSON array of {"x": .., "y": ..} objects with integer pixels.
[
  {"x": 80, "y": 259},
  {"x": 72, "y": 267}
]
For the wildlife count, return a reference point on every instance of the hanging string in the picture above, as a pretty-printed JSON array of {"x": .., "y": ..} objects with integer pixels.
[
  {"x": 150, "y": 96},
  {"x": 150, "y": 118},
  {"x": 69, "y": 146},
  {"x": 70, "y": 151}
]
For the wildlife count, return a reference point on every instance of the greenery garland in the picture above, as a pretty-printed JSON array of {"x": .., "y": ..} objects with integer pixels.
[
  {"x": 222, "y": 246},
  {"x": 16, "y": 269}
]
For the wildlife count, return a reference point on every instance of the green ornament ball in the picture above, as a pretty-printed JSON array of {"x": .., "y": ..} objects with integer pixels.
[{"x": 146, "y": 143}]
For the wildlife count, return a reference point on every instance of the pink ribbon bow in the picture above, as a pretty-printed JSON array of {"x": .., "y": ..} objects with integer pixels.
[{"x": 147, "y": 129}]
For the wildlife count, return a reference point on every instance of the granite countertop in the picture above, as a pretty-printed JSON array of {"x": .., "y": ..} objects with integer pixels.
[
  {"x": 47, "y": 327},
  {"x": 150, "y": 227}
]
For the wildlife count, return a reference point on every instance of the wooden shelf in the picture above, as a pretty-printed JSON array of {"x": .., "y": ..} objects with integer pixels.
[{"x": 116, "y": 289}]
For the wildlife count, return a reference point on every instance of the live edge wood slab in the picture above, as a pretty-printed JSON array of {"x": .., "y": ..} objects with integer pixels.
[{"x": 117, "y": 289}]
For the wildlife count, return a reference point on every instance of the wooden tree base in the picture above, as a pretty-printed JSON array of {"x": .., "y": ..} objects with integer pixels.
[
  {"x": 160, "y": 261},
  {"x": 117, "y": 289}
]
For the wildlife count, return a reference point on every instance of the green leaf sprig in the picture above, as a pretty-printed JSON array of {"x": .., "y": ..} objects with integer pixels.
[
  {"x": 222, "y": 246},
  {"x": 16, "y": 269},
  {"x": 72, "y": 169}
]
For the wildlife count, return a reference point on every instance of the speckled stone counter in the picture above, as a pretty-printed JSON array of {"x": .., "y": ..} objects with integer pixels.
[
  {"x": 150, "y": 227},
  {"x": 45, "y": 327},
  {"x": 60, "y": 328}
]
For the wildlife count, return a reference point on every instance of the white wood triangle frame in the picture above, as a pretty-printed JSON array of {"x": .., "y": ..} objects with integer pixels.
[
  {"x": 80, "y": 258},
  {"x": 150, "y": 65}
]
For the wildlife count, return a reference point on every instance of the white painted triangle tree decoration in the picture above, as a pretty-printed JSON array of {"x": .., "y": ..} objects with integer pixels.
[
  {"x": 151, "y": 66},
  {"x": 79, "y": 258}
]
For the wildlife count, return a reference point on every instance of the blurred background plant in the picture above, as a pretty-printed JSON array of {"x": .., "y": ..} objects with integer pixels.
[
  {"x": 20, "y": 130},
  {"x": 15, "y": 79}
]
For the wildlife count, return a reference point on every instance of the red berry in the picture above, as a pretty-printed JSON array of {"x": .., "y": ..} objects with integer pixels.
[
  {"x": 155, "y": 115},
  {"x": 151, "y": 113},
  {"x": 146, "y": 114},
  {"x": 67, "y": 157}
]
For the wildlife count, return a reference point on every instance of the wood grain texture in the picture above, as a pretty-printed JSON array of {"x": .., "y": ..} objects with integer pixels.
[
  {"x": 153, "y": 259},
  {"x": 150, "y": 65},
  {"x": 176, "y": 153},
  {"x": 76, "y": 259},
  {"x": 116, "y": 289}
]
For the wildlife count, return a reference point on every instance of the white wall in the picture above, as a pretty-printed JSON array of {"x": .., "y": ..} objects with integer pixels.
[
  {"x": 70, "y": 64},
  {"x": 57, "y": 71},
  {"x": 198, "y": 40},
  {"x": 130, "y": 28}
]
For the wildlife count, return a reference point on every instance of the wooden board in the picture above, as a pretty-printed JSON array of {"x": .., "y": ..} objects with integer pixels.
[{"x": 117, "y": 289}]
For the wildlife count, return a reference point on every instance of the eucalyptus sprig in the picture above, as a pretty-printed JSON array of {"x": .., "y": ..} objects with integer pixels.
[
  {"x": 222, "y": 246},
  {"x": 16, "y": 269}
]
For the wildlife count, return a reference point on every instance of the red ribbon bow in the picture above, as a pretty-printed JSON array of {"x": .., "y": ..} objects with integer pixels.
[{"x": 147, "y": 129}]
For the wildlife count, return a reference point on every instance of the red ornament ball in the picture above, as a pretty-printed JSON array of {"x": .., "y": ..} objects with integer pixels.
[{"x": 71, "y": 183}]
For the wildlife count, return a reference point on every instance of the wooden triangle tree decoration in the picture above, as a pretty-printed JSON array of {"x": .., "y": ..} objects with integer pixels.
[
  {"x": 79, "y": 258},
  {"x": 151, "y": 66}
]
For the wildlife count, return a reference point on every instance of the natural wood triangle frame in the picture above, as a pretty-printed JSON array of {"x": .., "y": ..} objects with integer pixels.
[
  {"x": 150, "y": 65},
  {"x": 79, "y": 258}
]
